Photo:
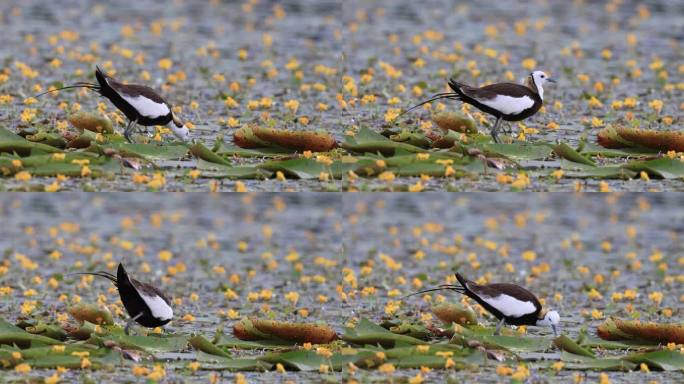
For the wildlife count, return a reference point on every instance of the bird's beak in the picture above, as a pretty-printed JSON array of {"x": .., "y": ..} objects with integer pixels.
[
  {"x": 555, "y": 329},
  {"x": 551, "y": 80}
]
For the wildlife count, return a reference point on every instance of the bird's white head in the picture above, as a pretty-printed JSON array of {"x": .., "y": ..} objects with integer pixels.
[
  {"x": 537, "y": 80},
  {"x": 551, "y": 318},
  {"x": 179, "y": 129}
]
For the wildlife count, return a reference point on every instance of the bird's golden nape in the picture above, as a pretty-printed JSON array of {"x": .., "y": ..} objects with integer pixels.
[{"x": 177, "y": 122}]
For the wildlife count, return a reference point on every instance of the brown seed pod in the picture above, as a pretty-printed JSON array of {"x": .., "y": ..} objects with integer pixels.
[
  {"x": 297, "y": 140},
  {"x": 661, "y": 140},
  {"x": 259, "y": 329}
]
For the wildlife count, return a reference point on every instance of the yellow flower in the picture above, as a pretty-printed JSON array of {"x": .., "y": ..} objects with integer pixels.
[
  {"x": 54, "y": 379},
  {"x": 23, "y": 176},
  {"x": 386, "y": 368},
  {"x": 392, "y": 114},
  {"x": 529, "y": 255},
  {"x": 529, "y": 64},
  {"x": 240, "y": 187},
  {"x": 386, "y": 176},
  {"x": 85, "y": 363},
  {"x": 657, "y": 105},
  {"x": 656, "y": 297},
  {"x": 165, "y": 63},
  {"x": 417, "y": 187},
  {"x": 292, "y": 105},
  {"x": 23, "y": 368},
  {"x": 292, "y": 297}
]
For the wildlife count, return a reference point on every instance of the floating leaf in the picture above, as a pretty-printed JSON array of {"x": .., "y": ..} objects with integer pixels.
[
  {"x": 577, "y": 170},
  {"x": 91, "y": 121},
  {"x": 663, "y": 360},
  {"x": 580, "y": 362},
  {"x": 200, "y": 343},
  {"x": 454, "y": 313},
  {"x": 149, "y": 344},
  {"x": 617, "y": 329},
  {"x": 206, "y": 154},
  {"x": 367, "y": 141},
  {"x": 245, "y": 138},
  {"x": 660, "y": 140},
  {"x": 566, "y": 344},
  {"x": 220, "y": 363},
  {"x": 304, "y": 168},
  {"x": 297, "y": 140},
  {"x": 50, "y": 330},
  {"x": 609, "y": 138},
  {"x": 367, "y": 332},
  {"x": 294, "y": 332},
  {"x": 232, "y": 150},
  {"x": 93, "y": 313},
  {"x": 304, "y": 360},
  {"x": 664, "y": 167},
  {"x": 566, "y": 152},
  {"x": 12, "y": 335},
  {"x": 522, "y": 343},
  {"x": 455, "y": 121},
  {"x": 151, "y": 151},
  {"x": 228, "y": 341},
  {"x": 518, "y": 151},
  {"x": 417, "y": 139}
]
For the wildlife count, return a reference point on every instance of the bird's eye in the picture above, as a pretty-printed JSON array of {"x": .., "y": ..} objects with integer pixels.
[{"x": 542, "y": 76}]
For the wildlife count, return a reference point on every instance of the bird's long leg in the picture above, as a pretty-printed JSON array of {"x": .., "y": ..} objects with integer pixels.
[
  {"x": 498, "y": 326},
  {"x": 130, "y": 322},
  {"x": 495, "y": 130},
  {"x": 129, "y": 130}
]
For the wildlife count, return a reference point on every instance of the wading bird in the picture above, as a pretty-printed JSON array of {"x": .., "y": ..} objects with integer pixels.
[
  {"x": 145, "y": 304},
  {"x": 510, "y": 303},
  {"x": 141, "y": 104},
  {"x": 505, "y": 101}
]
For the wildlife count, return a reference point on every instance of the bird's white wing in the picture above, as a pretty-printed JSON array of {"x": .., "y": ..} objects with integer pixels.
[
  {"x": 509, "y": 306},
  {"x": 508, "y": 105}
]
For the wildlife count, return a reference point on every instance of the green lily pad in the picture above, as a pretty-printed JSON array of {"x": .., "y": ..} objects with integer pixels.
[
  {"x": 367, "y": 332},
  {"x": 200, "y": 343},
  {"x": 219, "y": 363},
  {"x": 664, "y": 167},
  {"x": 663, "y": 360},
  {"x": 229, "y": 341},
  {"x": 579, "y": 362},
  {"x": 152, "y": 151},
  {"x": 566, "y": 152},
  {"x": 519, "y": 151},
  {"x": 206, "y": 154},
  {"x": 150, "y": 344},
  {"x": 566, "y": 344}
]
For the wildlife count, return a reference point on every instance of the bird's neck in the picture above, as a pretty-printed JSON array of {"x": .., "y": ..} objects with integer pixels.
[{"x": 531, "y": 84}]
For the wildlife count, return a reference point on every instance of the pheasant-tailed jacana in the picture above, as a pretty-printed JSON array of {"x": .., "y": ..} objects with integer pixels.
[
  {"x": 141, "y": 104},
  {"x": 510, "y": 303},
  {"x": 145, "y": 304},
  {"x": 505, "y": 101}
]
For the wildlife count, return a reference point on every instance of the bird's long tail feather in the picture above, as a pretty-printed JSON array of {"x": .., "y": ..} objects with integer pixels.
[
  {"x": 438, "y": 96},
  {"x": 443, "y": 287},
  {"x": 104, "y": 274},
  {"x": 91, "y": 86}
]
